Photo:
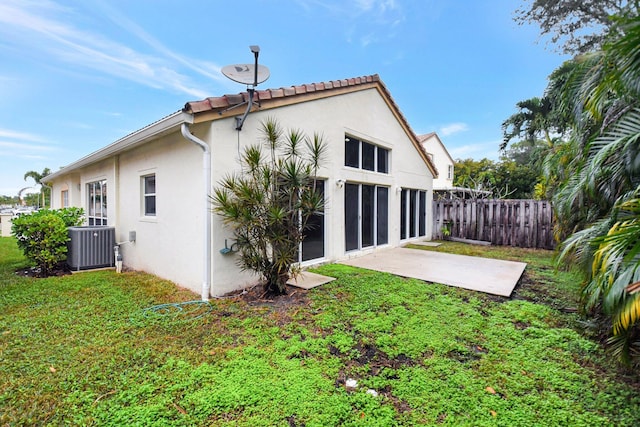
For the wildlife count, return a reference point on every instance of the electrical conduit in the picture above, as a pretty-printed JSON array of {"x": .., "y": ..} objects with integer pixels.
[{"x": 206, "y": 169}]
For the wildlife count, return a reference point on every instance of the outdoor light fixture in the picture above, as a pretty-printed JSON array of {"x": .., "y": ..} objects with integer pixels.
[{"x": 340, "y": 183}]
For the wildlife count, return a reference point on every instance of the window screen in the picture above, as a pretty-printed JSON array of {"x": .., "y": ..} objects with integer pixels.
[
  {"x": 367, "y": 215},
  {"x": 352, "y": 152},
  {"x": 383, "y": 160},
  {"x": 368, "y": 156},
  {"x": 351, "y": 226},
  {"x": 382, "y": 220}
]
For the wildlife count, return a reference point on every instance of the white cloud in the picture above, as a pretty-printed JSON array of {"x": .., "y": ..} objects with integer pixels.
[
  {"x": 23, "y": 156},
  {"x": 381, "y": 6},
  {"x": 203, "y": 68},
  {"x": 11, "y": 134},
  {"x": 477, "y": 151},
  {"x": 26, "y": 25},
  {"x": 365, "y": 5},
  {"x": 25, "y": 146},
  {"x": 374, "y": 18},
  {"x": 452, "y": 128},
  {"x": 366, "y": 40}
]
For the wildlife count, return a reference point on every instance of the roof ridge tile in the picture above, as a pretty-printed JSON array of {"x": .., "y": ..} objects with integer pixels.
[{"x": 228, "y": 100}]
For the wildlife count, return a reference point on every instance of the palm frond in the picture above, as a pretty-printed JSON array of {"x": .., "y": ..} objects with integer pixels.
[
  {"x": 626, "y": 52},
  {"x": 316, "y": 151},
  {"x": 293, "y": 142},
  {"x": 271, "y": 133}
]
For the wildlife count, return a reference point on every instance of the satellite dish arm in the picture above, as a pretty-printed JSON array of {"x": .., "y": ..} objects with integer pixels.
[
  {"x": 256, "y": 52},
  {"x": 240, "y": 120},
  {"x": 251, "y": 91}
]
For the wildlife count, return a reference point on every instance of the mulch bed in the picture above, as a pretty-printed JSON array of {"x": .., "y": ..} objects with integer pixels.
[{"x": 257, "y": 296}]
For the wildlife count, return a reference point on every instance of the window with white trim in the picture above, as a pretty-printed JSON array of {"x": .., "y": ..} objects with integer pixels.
[
  {"x": 64, "y": 195},
  {"x": 363, "y": 155},
  {"x": 97, "y": 202},
  {"x": 450, "y": 172},
  {"x": 149, "y": 195}
]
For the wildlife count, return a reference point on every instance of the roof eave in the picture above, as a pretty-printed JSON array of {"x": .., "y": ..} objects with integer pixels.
[{"x": 141, "y": 136}]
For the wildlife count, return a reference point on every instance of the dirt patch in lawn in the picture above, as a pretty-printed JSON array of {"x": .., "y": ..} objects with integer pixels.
[
  {"x": 61, "y": 269},
  {"x": 540, "y": 291},
  {"x": 369, "y": 356},
  {"x": 256, "y": 296}
]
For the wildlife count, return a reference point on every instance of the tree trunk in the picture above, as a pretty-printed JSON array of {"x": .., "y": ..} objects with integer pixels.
[{"x": 276, "y": 283}]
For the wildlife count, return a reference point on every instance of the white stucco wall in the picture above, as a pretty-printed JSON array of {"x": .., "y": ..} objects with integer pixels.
[
  {"x": 5, "y": 224},
  {"x": 442, "y": 161},
  {"x": 170, "y": 244},
  {"x": 363, "y": 115}
]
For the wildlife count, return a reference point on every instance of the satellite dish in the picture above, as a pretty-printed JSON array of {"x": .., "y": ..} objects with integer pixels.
[
  {"x": 249, "y": 74},
  {"x": 246, "y": 73}
]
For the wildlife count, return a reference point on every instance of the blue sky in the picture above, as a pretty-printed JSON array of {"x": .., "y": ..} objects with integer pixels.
[{"x": 78, "y": 75}]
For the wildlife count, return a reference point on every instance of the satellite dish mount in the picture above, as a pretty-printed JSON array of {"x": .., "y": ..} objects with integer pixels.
[{"x": 249, "y": 74}]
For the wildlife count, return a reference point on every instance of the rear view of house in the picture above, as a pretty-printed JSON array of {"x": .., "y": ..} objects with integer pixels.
[{"x": 155, "y": 183}]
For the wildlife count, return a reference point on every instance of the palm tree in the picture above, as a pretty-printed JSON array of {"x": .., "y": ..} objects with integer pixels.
[
  {"x": 533, "y": 119},
  {"x": 606, "y": 184},
  {"x": 542, "y": 125},
  {"x": 37, "y": 177}
]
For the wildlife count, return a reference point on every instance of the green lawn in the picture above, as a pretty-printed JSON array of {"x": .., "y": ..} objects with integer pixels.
[{"x": 81, "y": 350}]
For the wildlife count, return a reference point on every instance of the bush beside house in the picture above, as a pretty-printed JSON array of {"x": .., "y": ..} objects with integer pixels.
[{"x": 43, "y": 236}]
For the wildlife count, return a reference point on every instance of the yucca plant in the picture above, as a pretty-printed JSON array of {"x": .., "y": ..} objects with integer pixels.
[{"x": 269, "y": 202}]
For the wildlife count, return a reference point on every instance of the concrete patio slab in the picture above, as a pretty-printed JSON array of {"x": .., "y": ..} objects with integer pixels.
[
  {"x": 308, "y": 280},
  {"x": 430, "y": 244},
  {"x": 491, "y": 276}
]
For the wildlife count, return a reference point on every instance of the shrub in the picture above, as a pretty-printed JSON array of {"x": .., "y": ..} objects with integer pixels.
[
  {"x": 72, "y": 217},
  {"x": 43, "y": 235}
]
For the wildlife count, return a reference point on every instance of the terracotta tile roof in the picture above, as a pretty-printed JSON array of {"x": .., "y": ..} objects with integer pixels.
[{"x": 225, "y": 102}]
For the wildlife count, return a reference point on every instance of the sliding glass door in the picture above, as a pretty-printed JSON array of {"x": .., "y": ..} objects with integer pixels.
[
  {"x": 366, "y": 216},
  {"x": 313, "y": 243},
  {"x": 413, "y": 213}
]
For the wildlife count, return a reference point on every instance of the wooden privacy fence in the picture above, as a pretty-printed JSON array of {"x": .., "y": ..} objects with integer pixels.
[{"x": 522, "y": 223}]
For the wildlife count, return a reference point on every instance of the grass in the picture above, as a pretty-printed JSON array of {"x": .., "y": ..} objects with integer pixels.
[{"x": 81, "y": 350}]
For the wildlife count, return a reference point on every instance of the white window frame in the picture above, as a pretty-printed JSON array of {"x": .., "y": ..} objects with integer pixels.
[
  {"x": 416, "y": 212},
  {"x": 97, "y": 208},
  {"x": 374, "y": 236},
  {"x": 146, "y": 196},
  {"x": 375, "y": 155}
]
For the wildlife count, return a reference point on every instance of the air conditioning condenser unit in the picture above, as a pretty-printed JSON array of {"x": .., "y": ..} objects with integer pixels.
[{"x": 91, "y": 247}]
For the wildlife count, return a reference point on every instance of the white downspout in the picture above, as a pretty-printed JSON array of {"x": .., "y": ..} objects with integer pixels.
[{"x": 206, "y": 169}]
